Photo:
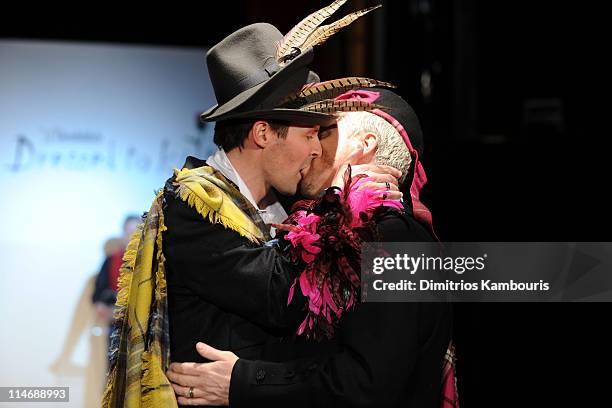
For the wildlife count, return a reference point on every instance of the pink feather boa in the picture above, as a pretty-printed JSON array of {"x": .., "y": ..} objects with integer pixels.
[{"x": 326, "y": 236}]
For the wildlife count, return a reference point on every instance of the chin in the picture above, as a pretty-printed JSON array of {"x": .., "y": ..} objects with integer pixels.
[
  {"x": 310, "y": 191},
  {"x": 288, "y": 191}
]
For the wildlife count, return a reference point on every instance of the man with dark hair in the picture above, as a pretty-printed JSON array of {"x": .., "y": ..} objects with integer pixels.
[
  {"x": 204, "y": 266},
  {"x": 185, "y": 277}
]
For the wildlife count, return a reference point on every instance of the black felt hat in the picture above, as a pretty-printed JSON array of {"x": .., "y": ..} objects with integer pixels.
[{"x": 401, "y": 111}]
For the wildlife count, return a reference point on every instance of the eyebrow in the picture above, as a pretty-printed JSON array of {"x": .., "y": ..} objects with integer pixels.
[{"x": 326, "y": 128}]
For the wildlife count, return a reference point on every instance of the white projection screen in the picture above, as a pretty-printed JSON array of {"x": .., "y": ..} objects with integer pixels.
[{"x": 88, "y": 133}]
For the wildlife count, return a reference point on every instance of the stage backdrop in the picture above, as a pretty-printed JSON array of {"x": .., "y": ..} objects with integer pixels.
[{"x": 88, "y": 133}]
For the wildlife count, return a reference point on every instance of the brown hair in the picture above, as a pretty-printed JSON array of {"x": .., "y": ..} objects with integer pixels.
[{"x": 230, "y": 134}]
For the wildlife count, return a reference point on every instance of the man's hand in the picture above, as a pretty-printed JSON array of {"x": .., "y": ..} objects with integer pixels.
[
  {"x": 210, "y": 381},
  {"x": 385, "y": 177}
]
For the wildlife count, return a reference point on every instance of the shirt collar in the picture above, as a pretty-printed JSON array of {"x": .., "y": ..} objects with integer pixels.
[{"x": 274, "y": 213}]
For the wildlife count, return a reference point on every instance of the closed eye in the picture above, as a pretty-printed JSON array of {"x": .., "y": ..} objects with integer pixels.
[
  {"x": 326, "y": 131},
  {"x": 323, "y": 135}
]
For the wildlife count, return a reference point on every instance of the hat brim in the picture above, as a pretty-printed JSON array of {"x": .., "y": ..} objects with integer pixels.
[
  {"x": 284, "y": 81},
  {"x": 292, "y": 116}
]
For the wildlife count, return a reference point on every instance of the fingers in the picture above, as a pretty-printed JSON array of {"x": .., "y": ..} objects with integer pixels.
[
  {"x": 193, "y": 401},
  {"x": 392, "y": 193},
  {"x": 378, "y": 186},
  {"x": 384, "y": 178},
  {"x": 182, "y": 379},
  {"x": 181, "y": 391},
  {"x": 378, "y": 174},
  {"x": 374, "y": 185},
  {"x": 213, "y": 354},
  {"x": 380, "y": 178},
  {"x": 200, "y": 397},
  {"x": 391, "y": 170},
  {"x": 185, "y": 368},
  {"x": 205, "y": 386},
  {"x": 181, "y": 385},
  {"x": 377, "y": 168},
  {"x": 209, "y": 352}
]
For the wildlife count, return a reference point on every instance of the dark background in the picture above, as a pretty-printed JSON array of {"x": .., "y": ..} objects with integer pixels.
[{"x": 513, "y": 151}]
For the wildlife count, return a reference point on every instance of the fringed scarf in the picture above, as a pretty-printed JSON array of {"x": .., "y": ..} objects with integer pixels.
[{"x": 140, "y": 343}]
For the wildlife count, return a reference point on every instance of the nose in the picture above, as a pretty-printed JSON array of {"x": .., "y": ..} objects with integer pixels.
[
  {"x": 316, "y": 143},
  {"x": 316, "y": 148}
]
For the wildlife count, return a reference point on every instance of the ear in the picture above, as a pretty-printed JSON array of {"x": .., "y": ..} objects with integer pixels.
[
  {"x": 370, "y": 144},
  {"x": 261, "y": 133}
]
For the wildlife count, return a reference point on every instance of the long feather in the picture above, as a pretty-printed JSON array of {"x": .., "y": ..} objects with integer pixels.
[
  {"x": 332, "y": 106},
  {"x": 332, "y": 88},
  {"x": 321, "y": 34},
  {"x": 298, "y": 34}
]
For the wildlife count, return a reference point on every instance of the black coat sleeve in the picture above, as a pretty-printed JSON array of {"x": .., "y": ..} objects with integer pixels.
[
  {"x": 389, "y": 354},
  {"x": 226, "y": 269},
  {"x": 379, "y": 362}
]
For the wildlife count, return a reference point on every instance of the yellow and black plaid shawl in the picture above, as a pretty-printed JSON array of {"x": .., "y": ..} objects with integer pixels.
[{"x": 140, "y": 351}]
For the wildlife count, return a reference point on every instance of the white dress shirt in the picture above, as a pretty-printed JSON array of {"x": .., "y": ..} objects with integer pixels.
[{"x": 272, "y": 214}]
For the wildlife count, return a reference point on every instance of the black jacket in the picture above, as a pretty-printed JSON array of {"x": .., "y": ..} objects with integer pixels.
[
  {"x": 386, "y": 354},
  {"x": 222, "y": 289}
]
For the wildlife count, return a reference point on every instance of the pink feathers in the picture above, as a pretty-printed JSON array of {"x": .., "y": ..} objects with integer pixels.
[{"x": 325, "y": 235}]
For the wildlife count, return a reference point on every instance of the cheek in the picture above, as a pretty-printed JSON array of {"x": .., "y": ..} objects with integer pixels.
[
  {"x": 282, "y": 159},
  {"x": 295, "y": 154},
  {"x": 286, "y": 157},
  {"x": 328, "y": 155},
  {"x": 272, "y": 159},
  {"x": 345, "y": 151}
]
